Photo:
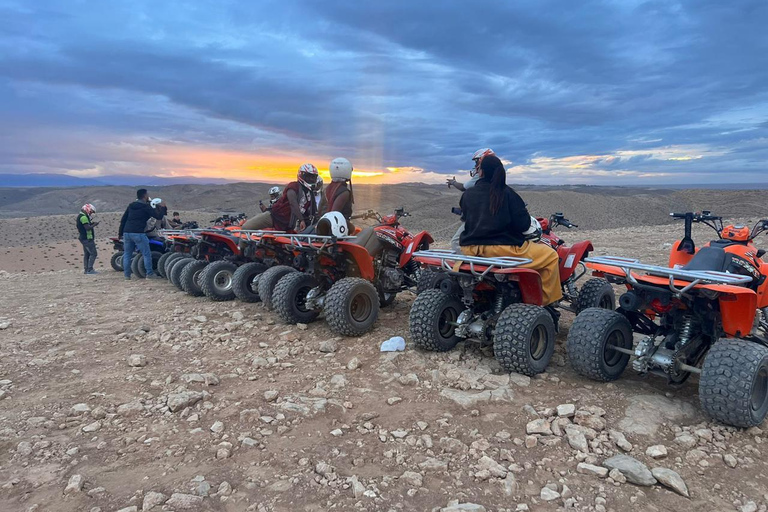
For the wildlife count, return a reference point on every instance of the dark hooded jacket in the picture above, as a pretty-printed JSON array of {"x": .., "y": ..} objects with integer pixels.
[{"x": 136, "y": 216}]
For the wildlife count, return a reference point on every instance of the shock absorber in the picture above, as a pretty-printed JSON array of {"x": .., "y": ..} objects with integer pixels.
[
  {"x": 686, "y": 331},
  {"x": 498, "y": 303}
]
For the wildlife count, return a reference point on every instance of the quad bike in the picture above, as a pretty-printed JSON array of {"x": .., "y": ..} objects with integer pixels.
[
  {"x": 347, "y": 278},
  {"x": 157, "y": 246},
  {"x": 227, "y": 220},
  {"x": 706, "y": 314},
  {"x": 593, "y": 293},
  {"x": 180, "y": 245},
  {"x": 493, "y": 300}
]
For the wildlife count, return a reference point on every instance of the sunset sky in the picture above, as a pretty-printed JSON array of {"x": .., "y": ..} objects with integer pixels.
[{"x": 603, "y": 92}]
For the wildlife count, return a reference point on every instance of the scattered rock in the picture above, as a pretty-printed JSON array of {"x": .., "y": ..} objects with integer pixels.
[
  {"x": 153, "y": 499},
  {"x": 591, "y": 469},
  {"x": 617, "y": 476},
  {"x": 658, "y": 451},
  {"x": 539, "y": 426},
  {"x": 635, "y": 471},
  {"x": 92, "y": 427},
  {"x": 577, "y": 440},
  {"x": 548, "y": 494},
  {"x": 620, "y": 440},
  {"x": 201, "y": 319},
  {"x": 671, "y": 479},
  {"x": 566, "y": 410},
  {"x": 178, "y": 401},
  {"x": 217, "y": 427},
  {"x": 328, "y": 346},
  {"x": 183, "y": 501},
  {"x": 412, "y": 478},
  {"x": 137, "y": 360},
  {"x": 271, "y": 395},
  {"x": 75, "y": 484},
  {"x": 646, "y": 413},
  {"x": 455, "y": 506},
  {"x": 353, "y": 364}
]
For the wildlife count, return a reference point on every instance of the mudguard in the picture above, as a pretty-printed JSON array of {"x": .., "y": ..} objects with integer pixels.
[
  {"x": 415, "y": 245},
  {"x": 570, "y": 256},
  {"x": 529, "y": 281},
  {"x": 361, "y": 258},
  {"x": 226, "y": 239}
]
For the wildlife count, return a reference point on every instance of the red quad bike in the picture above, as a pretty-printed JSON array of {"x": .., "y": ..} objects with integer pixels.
[
  {"x": 594, "y": 293},
  {"x": 705, "y": 314},
  {"x": 349, "y": 278},
  {"x": 180, "y": 246}
]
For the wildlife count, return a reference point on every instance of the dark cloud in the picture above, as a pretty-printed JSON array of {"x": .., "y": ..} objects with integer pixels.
[{"x": 391, "y": 84}]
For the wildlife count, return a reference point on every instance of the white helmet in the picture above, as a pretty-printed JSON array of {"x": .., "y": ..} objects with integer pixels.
[
  {"x": 533, "y": 233},
  {"x": 274, "y": 190},
  {"x": 332, "y": 224},
  {"x": 308, "y": 175},
  {"x": 478, "y": 158},
  {"x": 319, "y": 184},
  {"x": 156, "y": 201},
  {"x": 341, "y": 169}
]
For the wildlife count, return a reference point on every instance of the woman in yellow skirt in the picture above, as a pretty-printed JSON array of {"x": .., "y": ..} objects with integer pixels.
[{"x": 495, "y": 219}]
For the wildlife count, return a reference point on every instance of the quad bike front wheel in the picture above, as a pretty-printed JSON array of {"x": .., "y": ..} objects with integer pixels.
[
  {"x": 117, "y": 261},
  {"x": 137, "y": 263},
  {"x": 216, "y": 280},
  {"x": 161, "y": 264},
  {"x": 596, "y": 293},
  {"x": 289, "y": 298},
  {"x": 190, "y": 277},
  {"x": 351, "y": 306},
  {"x": 524, "y": 339},
  {"x": 432, "y": 321},
  {"x": 171, "y": 261},
  {"x": 177, "y": 269},
  {"x": 590, "y": 340},
  {"x": 245, "y": 281},
  {"x": 733, "y": 387},
  {"x": 269, "y": 280}
]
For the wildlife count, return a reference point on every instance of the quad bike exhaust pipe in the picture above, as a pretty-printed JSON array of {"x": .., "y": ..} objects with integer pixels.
[{"x": 630, "y": 352}]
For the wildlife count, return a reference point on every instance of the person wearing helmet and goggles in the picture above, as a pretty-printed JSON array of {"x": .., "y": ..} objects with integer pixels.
[
  {"x": 85, "y": 225},
  {"x": 477, "y": 158},
  {"x": 338, "y": 194},
  {"x": 133, "y": 226},
  {"x": 497, "y": 223},
  {"x": 321, "y": 203},
  {"x": 294, "y": 208},
  {"x": 274, "y": 195}
]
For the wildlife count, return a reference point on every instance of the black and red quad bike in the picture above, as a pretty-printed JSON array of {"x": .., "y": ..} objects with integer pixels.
[
  {"x": 706, "y": 314},
  {"x": 595, "y": 292},
  {"x": 348, "y": 279},
  {"x": 157, "y": 246},
  {"x": 180, "y": 244}
]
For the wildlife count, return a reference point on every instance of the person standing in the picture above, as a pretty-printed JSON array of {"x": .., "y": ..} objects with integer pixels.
[
  {"x": 85, "y": 225},
  {"x": 132, "y": 231}
]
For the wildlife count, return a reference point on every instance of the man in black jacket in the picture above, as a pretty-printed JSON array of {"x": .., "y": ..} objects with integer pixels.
[{"x": 132, "y": 231}]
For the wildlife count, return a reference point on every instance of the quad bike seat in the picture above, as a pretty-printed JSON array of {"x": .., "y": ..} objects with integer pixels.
[
  {"x": 716, "y": 258},
  {"x": 367, "y": 238}
]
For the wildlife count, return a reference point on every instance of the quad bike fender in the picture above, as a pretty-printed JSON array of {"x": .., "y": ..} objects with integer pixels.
[
  {"x": 360, "y": 256},
  {"x": 529, "y": 282},
  {"x": 419, "y": 240},
  {"x": 570, "y": 256},
  {"x": 227, "y": 240},
  {"x": 680, "y": 257},
  {"x": 738, "y": 306}
]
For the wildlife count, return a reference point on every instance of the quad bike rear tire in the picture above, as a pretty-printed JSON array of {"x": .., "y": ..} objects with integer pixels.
[
  {"x": 524, "y": 339},
  {"x": 429, "y": 280},
  {"x": 596, "y": 293},
  {"x": 589, "y": 341},
  {"x": 137, "y": 263},
  {"x": 177, "y": 269},
  {"x": 733, "y": 387},
  {"x": 216, "y": 280},
  {"x": 245, "y": 281},
  {"x": 190, "y": 277},
  {"x": 117, "y": 261},
  {"x": 171, "y": 261},
  {"x": 161, "y": 264},
  {"x": 290, "y": 296},
  {"x": 431, "y": 318},
  {"x": 351, "y": 306},
  {"x": 269, "y": 280}
]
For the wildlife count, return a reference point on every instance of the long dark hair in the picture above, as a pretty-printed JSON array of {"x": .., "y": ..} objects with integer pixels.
[{"x": 493, "y": 171}]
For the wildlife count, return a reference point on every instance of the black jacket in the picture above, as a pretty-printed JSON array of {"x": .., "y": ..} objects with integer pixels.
[
  {"x": 136, "y": 216},
  {"x": 481, "y": 227}
]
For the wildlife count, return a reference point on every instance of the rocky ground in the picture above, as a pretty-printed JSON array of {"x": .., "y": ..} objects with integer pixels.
[{"x": 133, "y": 396}]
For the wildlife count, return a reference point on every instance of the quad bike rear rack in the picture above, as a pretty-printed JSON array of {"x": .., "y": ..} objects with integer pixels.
[
  {"x": 449, "y": 259},
  {"x": 694, "y": 277}
]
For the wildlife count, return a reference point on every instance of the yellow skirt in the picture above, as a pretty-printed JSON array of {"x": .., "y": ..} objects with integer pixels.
[{"x": 545, "y": 261}]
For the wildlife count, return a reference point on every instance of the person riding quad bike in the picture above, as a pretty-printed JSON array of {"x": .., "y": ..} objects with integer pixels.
[
  {"x": 496, "y": 224},
  {"x": 338, "y": 195},
  {"x": 274, "y": 195},
  {"x": 295, "y": 207},
  {"x": 321, "y": 204},
  {"x": 474, "y": 176}
]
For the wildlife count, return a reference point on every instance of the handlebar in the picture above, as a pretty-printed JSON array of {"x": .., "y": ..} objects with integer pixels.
[{"x": 704, "y": 216}]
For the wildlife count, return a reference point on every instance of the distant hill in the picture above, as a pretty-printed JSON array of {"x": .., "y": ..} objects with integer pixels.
[{"x": 63, "y": 180}]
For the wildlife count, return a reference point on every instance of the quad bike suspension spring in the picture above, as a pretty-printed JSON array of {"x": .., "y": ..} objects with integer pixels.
[
  {"x": 498, "y": 304},
  {"x": 686, "y": 331}
]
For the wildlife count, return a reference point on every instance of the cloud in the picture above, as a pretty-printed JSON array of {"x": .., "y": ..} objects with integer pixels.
[{"x": 598, "y": 91}]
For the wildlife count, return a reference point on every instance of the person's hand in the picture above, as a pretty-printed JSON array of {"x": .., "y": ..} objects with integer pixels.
[
  {"x": 95, "y": 223},
  {"x": 451, "y": 181}
]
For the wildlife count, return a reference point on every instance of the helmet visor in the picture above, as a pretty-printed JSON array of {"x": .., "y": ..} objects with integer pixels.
[{"x": 309, "y": 177}]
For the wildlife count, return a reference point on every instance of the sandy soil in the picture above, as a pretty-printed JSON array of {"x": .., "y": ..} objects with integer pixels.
[{"x": 112, "y": 391}]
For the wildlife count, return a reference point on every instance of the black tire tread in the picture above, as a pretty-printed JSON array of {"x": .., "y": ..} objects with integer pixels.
[
  {"x": 585, "y": 338},
  {"x": 421, "y": 321},
  {"x": 206, "y": 280},
  {"x": 269, "y": 280},
  {"x": 336, "y": 310},
  {"x": 511, "y": 338},
  {"x": 186, "y": 279},
  {"x": 725, "y": 385},
  {"x": 241, "y": 279},
  {"x": 161, "y": 264},
  {"x": 591, "y": 293},
  {"x": 283, "y": 296},
  {"x": 117, "y": 261},
  {"x": 169, "y": 263},
  {"x": 176, "y": 270}
]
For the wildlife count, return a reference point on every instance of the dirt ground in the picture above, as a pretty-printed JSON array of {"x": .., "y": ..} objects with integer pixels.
[{"x": 117, "y": 395}]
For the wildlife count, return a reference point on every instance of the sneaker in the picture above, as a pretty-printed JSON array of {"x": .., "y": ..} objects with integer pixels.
[
  {"x": 153, "y": 276},
  {"x": 92, "y": 272},
  {"x": 127, "y": 278}
]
